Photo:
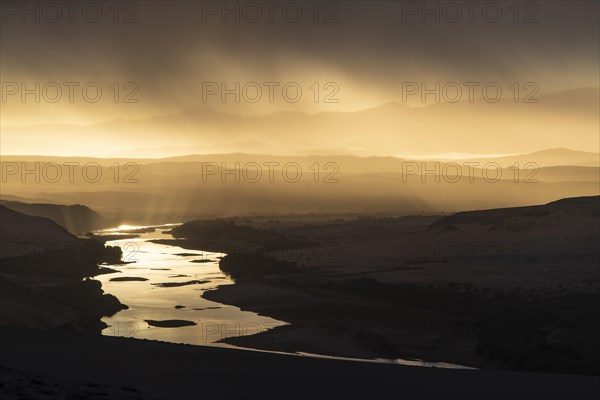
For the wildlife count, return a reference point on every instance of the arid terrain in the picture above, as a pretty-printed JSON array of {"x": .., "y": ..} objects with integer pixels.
[
  {"x": 503, "y": 289},
  {"x": 495, "y": 288},
  {"x": 300, "y": 200}
]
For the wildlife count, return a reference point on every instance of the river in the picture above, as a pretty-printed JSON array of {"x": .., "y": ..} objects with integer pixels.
[
  {"x": 159, "y": 298},
  {"x": 169, "y": 284}
]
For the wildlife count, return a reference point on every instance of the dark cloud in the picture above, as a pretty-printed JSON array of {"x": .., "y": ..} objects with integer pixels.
[{"x": 374, "y": 44}]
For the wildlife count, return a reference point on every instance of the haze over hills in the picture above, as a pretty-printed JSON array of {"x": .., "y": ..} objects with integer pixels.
[
  {"x": 504, "y": 127},
  {"x": 545, "y": 158},
  {"x": 173, "y": 189}
]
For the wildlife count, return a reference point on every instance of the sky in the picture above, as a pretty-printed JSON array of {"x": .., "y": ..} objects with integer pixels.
[{"x": 96, "y": 63}]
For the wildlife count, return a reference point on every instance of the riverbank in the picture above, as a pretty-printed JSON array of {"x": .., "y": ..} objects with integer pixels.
[
  {"x": 336, "y": 324},
  {"x": 397, "y": 288}
]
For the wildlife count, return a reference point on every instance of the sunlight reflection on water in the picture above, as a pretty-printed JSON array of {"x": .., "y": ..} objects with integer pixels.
[{"x": 160, "y": 264}]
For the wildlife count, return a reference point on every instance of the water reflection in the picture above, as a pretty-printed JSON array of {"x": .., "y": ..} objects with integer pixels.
[
  {"x": 156, "y": 298},
  {"x": 172, "y": 290}
]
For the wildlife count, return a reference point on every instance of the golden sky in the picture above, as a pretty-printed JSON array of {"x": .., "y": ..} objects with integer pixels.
[{"x": 165, "y": 57}]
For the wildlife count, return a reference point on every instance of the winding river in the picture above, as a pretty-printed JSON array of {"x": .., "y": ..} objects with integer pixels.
[
  {"x": 171, "y": 290},
  {"x": 163, "y": 284}
]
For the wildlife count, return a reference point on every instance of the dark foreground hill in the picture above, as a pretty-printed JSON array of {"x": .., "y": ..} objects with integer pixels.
[
  {"x": 77, "y": 219},
  {"x": 22, "y": 234},
  {"x": 43, "y": 275}
]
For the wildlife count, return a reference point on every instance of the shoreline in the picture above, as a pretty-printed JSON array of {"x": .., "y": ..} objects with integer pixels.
[
  {"x": 479, "y": 313},
  {"x": 317, "y": 336},
  {"x": 320, "y": 333}
]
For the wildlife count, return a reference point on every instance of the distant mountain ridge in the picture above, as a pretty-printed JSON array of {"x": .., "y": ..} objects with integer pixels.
[
  {"x": 481, "y": 127},
  {"x": 543, "y": 158},
  {"x": 171, "y": 189},
  {"x": 556, "y": 157}
]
